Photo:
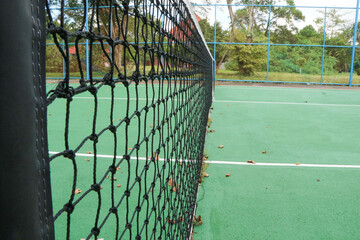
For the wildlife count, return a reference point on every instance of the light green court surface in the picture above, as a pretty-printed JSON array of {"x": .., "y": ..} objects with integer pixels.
[{"x": 293, "y": 125}]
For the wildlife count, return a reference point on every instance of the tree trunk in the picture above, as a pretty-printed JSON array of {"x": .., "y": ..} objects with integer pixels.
[{"x": 232, "y": 33}]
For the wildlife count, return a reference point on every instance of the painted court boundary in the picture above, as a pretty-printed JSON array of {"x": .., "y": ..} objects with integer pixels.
[
  {"x": 244, "y": 102},
  {"x": 232, "y": 163}
]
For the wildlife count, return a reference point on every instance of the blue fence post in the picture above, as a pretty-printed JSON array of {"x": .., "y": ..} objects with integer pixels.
[
  {"x": 354, "y": 43},
  {"x": 215, "y": 46},
  {"x": 87, "y": 41},
  {"x": 323, "y": 53},
  {"x": 268, "y": 55},
  {"x": 63, "y": 61}
]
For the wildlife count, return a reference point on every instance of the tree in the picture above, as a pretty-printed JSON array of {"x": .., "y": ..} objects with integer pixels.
[
  {"x": 334, "y": 22},
  {"x": 221, "y": 36}
]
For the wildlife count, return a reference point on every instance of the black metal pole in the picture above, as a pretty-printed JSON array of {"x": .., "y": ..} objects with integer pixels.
[{"x": 25, "y": 196}]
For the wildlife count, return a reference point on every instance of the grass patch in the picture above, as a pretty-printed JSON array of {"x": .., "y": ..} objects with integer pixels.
[{"x": 342, "y": 78}]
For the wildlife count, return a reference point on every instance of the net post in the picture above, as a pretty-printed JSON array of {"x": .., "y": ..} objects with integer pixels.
[{"x": 26, "y": 208}]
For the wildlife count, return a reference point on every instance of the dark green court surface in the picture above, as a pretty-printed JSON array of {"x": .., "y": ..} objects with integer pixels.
[
  {"x": 304, "y": 185},
  {"x": 299, "y": 188}
]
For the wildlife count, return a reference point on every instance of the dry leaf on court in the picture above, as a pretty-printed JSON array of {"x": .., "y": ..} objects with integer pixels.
[
  {"x": 212, "y": 131},
  {"x": 118, "y": 185},
  {"x": 221, "y": 146},
  {"x": 251, "y": 161},
  {"x": 118, "y": 168},
  {"x": 298, "y": 163},
  {"x": 228, "y": 175},
  {"x": 89, "y": 152},
  {"x": 77, "y": 191},
  {"x": 88, "y": 160},
  {"x": 205, "y": 174},
  {"x": 264, "y": 152}
]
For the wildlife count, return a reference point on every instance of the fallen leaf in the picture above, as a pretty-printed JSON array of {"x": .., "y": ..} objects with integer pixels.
[
  {"x": 151, "y": 126},
  {"x": 264, "y": 152},
  {"x": 101, "y": 187},
  {"x": 197, "y": 220},
  {"x": 170, "y": 182},
  {"x": 118, "y": 168},
  {"x": 227, "y": 104},
  {"x": 157, "y": 158},
  {"x": 119, "y": 119},
  {"x": 88, "y": 160},
  {"x": 212, "y": 131},
  {"x": 318, "y": 180},
  {"x": 89, "y": 152},
  {"x": 298, "y": 163},
  {"x": 228, "y": 175},
  {"x": 205, "y": 174},
  {"x": 115, "y": 179},
  {"x": 107, "y": 177},
  {"x": 50, "y": 114},
  {"x": 129, "y": 148},
  {"x": 77, "y": 191},
  {"x": 118, "y": 185},
  {"x": 221, "y": 146},
  {"x": 180, "y": 163},
  {"x": 251, "y": 161}
]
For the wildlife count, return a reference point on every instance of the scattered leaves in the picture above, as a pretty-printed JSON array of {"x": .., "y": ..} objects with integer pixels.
[
  {"x": 228, "y": 175},
  {"x": 77, "y": 191},
  {"x": 221, "y": 146},
  {"x": 197, "y": 220},
  {"x": 251, "y": 161}
]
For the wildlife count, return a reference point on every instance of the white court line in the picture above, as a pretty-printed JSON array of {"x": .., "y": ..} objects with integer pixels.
[
  {"x": 290, "y": 103},
  {"x": 108, "y": 98},
  {"x": 229, "y": 101},
  {"x": 234, "y": 163}
]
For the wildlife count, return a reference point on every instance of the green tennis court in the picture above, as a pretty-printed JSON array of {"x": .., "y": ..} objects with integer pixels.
[{"x": 299, "y": 188}]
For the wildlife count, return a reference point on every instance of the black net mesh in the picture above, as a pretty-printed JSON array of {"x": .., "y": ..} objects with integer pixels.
[{"x": 133, "y": 100}]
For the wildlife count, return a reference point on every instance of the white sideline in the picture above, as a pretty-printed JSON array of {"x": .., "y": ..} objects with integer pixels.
[
  {"x": 290, "y": 103},
  {"x": 235, "y": 163},
  {"x": 246, "y": 102}
]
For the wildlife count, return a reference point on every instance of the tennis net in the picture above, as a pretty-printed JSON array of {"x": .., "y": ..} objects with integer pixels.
[{"x": 130, "y": 106}]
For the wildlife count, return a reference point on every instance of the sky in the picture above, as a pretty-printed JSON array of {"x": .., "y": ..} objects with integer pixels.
[{"x": 310, "y": 14}]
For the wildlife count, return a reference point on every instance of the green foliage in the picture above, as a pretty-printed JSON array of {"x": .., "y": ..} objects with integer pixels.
[
  {"x": 221, "y": 36},
  {"x": 292, "y": 59}
]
